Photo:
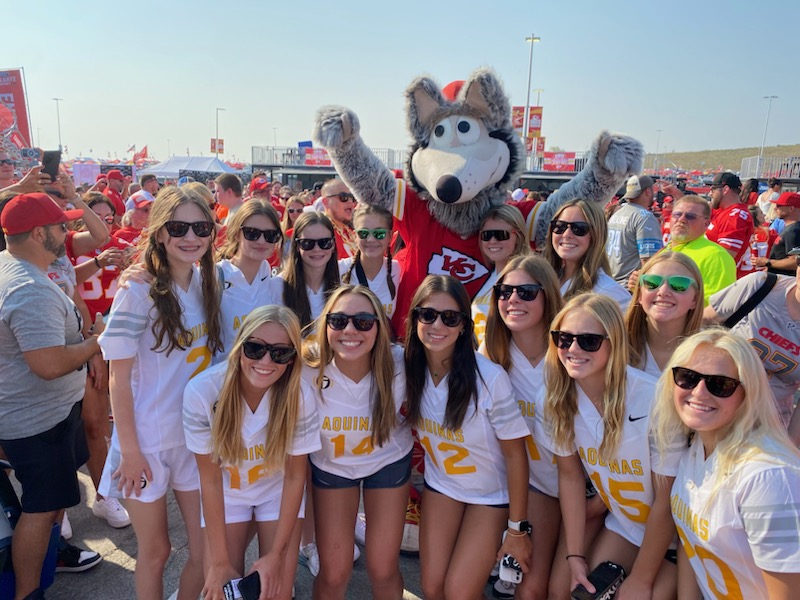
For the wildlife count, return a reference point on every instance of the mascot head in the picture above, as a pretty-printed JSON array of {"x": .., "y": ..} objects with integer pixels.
[{"x": 464, "y": 145}]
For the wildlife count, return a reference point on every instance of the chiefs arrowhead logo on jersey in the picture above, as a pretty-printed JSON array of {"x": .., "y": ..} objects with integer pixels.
[{"x": 458, "y": 265}]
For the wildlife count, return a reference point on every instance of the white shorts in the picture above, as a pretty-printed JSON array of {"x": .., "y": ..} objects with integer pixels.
[
  {"x": 174, "y": 468},
  {"x": 264, "y": 512}
]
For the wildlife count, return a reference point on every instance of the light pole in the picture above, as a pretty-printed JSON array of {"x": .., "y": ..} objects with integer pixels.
[
  {"x": 538, "y": 94},
  {"x": 764, "y": 139},
  {"x": 216, "y": 138},
  {"x": 58, "y": 119},
  {"x": 658, "y": 144},
  {"x": 532, "y": 40}
]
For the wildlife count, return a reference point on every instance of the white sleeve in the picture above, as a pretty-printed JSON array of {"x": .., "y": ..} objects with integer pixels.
[
  {"x": 667, "y": 463},
  {"x": 127, "y": 322},
  {"x": 196, "y": 419},
  {"x": 306, "y": 432},
  {"x": 503, "y": 411}
]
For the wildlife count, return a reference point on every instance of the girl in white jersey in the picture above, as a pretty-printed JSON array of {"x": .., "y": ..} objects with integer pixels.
[
  {"x": 359, "y": 380},
  {"x": 311, "y": 271},
  {"x": 159, "y": 335},
  {"x": 526, "y": 299},
  {"x": 598, "y": 409},
  {"x": 476, "y": 468},
  {"x": 251, "y": 424},
  {"x": 577, "y": 251},
  {"x": 501, "y": 238},
  {"x": 252, "y": 235},
  {"x": 372, "y": 266},
  {"x": 664, "y": 310},
  {"x": 736, "y": 497}
]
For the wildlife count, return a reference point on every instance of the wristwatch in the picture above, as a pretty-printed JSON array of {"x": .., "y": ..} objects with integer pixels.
[
  {"x": 522, "y": 526},
  {"x": 768, "y": 264}
]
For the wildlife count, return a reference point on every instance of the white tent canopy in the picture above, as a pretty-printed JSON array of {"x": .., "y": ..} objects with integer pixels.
[{"x": 175, "y": 164}]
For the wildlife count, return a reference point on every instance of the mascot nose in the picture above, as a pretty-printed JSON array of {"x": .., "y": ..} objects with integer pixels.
[{"x": 448, "y": 189}]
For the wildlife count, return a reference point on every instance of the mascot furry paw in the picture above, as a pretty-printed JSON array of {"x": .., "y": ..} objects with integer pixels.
[{"x": 465, "y": 155}]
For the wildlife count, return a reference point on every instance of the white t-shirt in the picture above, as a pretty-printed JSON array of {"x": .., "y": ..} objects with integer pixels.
[
  {"x": 248, "y": 483},
  {"x": 344, "y": 410},
  {"x": 62, "y": 273},
  {"x": 606, "y": 286},
  {"x": 750, "y": 524},
  {"x": 157, "y": 380},
  {"x": 528, "y": 384},
  {"x": 467, "y": 464},
  {"x": 480, "y": 306},
  {"x": 239, "y": 298},
  {"x": 316, "y": 300},
  {"x": 379, "y": 285},
  {"x": 650, "y": 365},
  {"x": 625, "y": 484}
]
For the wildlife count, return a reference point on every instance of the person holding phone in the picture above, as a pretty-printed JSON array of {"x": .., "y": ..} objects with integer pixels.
[{"x": 251, "y": 423}]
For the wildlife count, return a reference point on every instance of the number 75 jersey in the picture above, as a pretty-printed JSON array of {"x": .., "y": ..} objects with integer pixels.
[{"x": 467, "y": 464}]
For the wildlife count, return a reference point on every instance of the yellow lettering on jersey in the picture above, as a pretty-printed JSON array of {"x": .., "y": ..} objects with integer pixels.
[
  {"x": 389, "y": 308},
  {"x": 363, "y": 424},
  {"x": 450, "y": 463},
  {"x": 237, "y": 323},
  {"x": 526, "y": 408},
  {"x": 592, "y": 456},
  {"x": 441, "y": 431},
  {"x": 637, "y": 468},
  {"x": 326, "y": 424},
  {"x": 346, "y": 424},
  {"x": 733, "y": 590},
  {"x": 684, "y": 513},
  {"x": 635, "y": 510}
]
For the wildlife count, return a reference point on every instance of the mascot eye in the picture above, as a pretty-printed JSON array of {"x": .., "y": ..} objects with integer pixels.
[
  {"x": 468, "y": 131},
  {"x": 442, "y": 134}
]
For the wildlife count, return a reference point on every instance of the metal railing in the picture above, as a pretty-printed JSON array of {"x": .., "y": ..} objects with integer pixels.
[
  {"x": 292, "y": 156},
  {"x": 768, "y": 166}
]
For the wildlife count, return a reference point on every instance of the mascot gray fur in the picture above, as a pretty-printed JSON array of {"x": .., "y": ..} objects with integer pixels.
[{"x": 465, "y": 155}]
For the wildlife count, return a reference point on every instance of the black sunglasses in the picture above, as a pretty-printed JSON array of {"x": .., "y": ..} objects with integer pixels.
[
  {"x": 501, "y": 235},
  {"x": 294, "y": 210},
  {"x": 378, "y": 234},
  {"x": 361, "y": 321},
  {"x": 308, "y": 244},
  {"x": 427, "y": 315},
  {"x": 686, "y": 215},
  {"x": 588, "y": 342},
  {"x": 717, "y": 385},
  {"x": 344, "y": 197},
  {"x": 251, "y": 234},
  {"x": 181, "y": 228},
  {"x": 526, "y": 292},
  {"x": 280, "y": 354},
  {"x": 579, "y": 228},
  {"x": 7, "y": 161}
]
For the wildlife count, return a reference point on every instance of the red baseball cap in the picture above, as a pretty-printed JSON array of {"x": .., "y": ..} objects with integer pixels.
[
  {"x": 115, "y": 174},
  {"x": 101, "y": 177},
  {"x": 787, "y": 199},
  {"x": 258, "y": 184},
  {"x": 26, "y": 211}
]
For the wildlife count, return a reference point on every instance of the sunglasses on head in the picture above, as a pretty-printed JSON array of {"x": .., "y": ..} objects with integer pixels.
[
  {"x": 251, "y": 234},
  {"x": 344, "y": 197},
  {"x": 378, "y": 234},
  {"x": 450, "y": 318},
  {"x": 526, "y": 292},
  {"x": 361, "y": 321},
  {"x": 308, "y": 243},
  {"x": 181, "y": 228},
  {"x": 686, "y": 215},
  {"x": 279, "y": 353},
  {"x": 588, "y": 342},
  {"x": 717, "y": 385},
  {"x": 501, "y": 235},
  {"x": 677, "y": 283},
  {"x": 579, "y": 228},
  {"x": 7, "y": 161}
]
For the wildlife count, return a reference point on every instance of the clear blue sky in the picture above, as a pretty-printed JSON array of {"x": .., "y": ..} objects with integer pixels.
[{"x": 146, "y": 72}]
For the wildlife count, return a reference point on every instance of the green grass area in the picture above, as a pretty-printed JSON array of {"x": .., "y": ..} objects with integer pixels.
[{"x": 716, "y": 160}]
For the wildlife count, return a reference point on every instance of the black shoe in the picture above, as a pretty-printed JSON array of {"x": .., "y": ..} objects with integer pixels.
[{"x": 72, "y": 559}]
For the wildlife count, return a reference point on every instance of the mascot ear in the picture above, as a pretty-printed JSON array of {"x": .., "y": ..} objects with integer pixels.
[
  {"x": 484, "y": 93},
  {"x": 423, "y": 99}
]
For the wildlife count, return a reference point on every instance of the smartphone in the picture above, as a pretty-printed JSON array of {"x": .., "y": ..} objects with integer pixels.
[
  {"x": 606, "y": 579},
  {"x": 51, "y": 159},
  {"x": 510, "y": 570},
  {"x": 250, "y": 586}
]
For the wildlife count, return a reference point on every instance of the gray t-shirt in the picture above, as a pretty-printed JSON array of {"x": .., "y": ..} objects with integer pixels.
[
  {"x": 633, "y": 233},
  {"x": 34, "y": 314},
  {"x": 770, "y": 330}
]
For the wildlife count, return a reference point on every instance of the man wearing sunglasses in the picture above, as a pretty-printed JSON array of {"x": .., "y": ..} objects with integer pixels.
[
  {"x": 7, "y": 166},
  {"x": 634, "y": 233},
  {"x": 339, "y": 203},
  {"x": 43, "y": 355},
  {"x": 731, "y": 223}
]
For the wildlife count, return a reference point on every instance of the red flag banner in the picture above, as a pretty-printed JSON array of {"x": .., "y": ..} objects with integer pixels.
[
  {"x": 540, "y": 145},
  {"x": 317, "y": 157},
  {"x": 559, "y": 161},
  {"x": 213, "y": 145},
  {"x": 141, "y": 155},
  {"x": 14, "y": 125},
  {"x": 535, "y": 122}
]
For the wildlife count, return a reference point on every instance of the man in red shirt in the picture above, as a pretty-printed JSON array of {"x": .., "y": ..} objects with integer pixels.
[
  {"x": 731, "y": 223},
  {"x": 116, "y": 184},
  {"x": 136, "y": 217}
]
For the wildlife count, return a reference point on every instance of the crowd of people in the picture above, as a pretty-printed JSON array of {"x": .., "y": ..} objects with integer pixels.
[{"x": 626, "y": 393}]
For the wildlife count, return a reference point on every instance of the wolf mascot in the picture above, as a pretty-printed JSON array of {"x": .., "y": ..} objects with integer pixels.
[{"x": 465, "y": 154}]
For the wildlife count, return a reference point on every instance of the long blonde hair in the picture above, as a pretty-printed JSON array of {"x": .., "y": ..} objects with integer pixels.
[
  {"x": 382, "y": 402},
  {"x": 636, "y": 318},
  {"x": 754, "y": 422},
  {"x": 233, "y": 234},
  {"x": 227, "y": 446},
  {"x": 561, "y": 403},
  {"x": 510, "y": 215},
  {"x": 498, "y": 335},
  {"x": 594, "y": 260}
]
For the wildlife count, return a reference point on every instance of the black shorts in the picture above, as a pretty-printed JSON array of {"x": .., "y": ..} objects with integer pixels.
[
  {"x": 46, "y": 464},
  {"x": 391, "y": 476}
]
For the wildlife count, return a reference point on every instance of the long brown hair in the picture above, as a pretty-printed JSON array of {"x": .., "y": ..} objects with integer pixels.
[
  {"x": 227, "y": 445},
  {"x": 169, "y": 322},
  {"x": 233, "y": 234}
]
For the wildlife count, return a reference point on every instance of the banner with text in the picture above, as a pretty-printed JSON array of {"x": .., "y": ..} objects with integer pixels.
[
  {"x": 217, "y": 146},
  {"x": 534, "y": 123},
  {"x": 317, "y": 157},
  {"x": 559, "y": 161},
  {"x": 15, "y": 132}
]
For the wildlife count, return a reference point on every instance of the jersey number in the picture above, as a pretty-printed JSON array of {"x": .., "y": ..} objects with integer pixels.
[
  {"x": 639, "y": 511},
  {"x": 782, "y": 363},
  {"x": 456, "y": 455},
  {"x": 363, "y": 447},
  {"x": 202, "y": 354},
  {"x": 732, "y": 589},
  {"x": 253, "y": 474}
]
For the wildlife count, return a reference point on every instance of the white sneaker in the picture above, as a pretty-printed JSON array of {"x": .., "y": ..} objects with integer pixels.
[
  {"x": 361, "y": 528},
  {"x": 503, "y": 590},
  {"x": 356, "y": 552},
  {"x": 66, "y": 527},
  {"x": 309, "y": 556},
  {"x": 112, "y": 511}
]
